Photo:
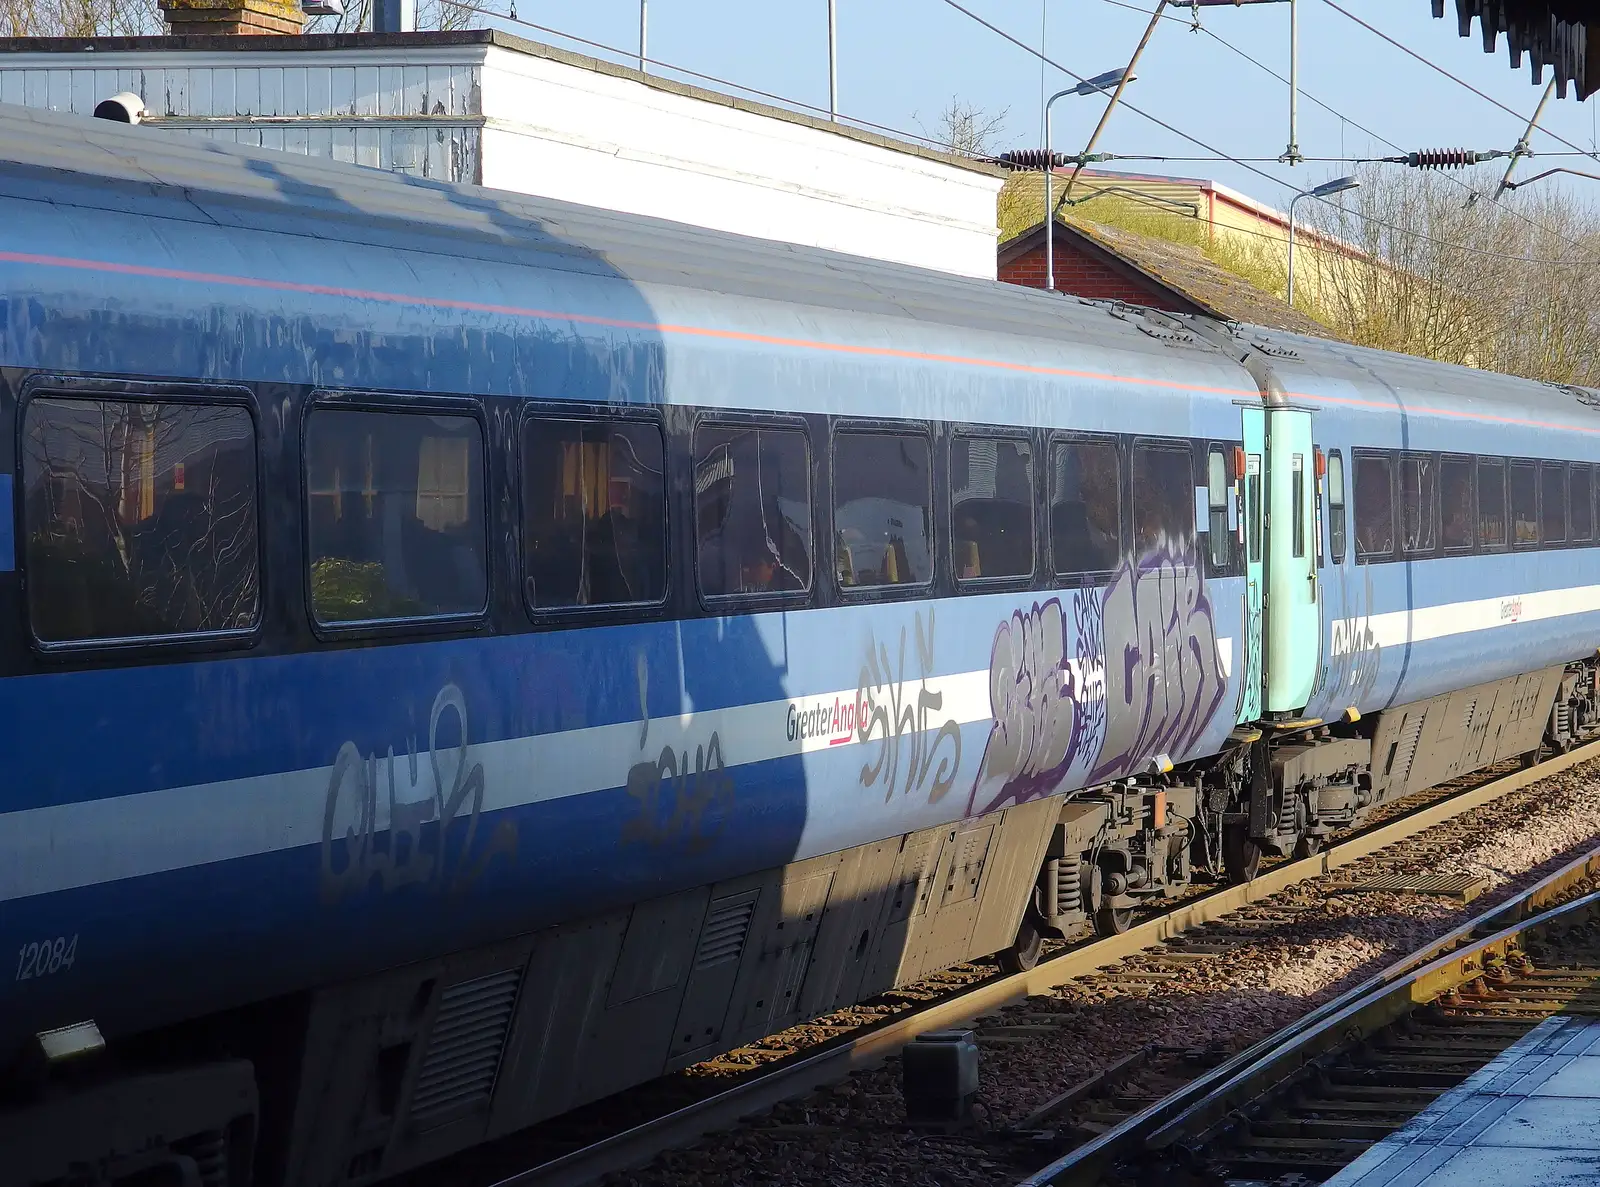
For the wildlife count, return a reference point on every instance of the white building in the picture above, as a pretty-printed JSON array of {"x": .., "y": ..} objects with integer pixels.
[{"x": 484, "y": 107}]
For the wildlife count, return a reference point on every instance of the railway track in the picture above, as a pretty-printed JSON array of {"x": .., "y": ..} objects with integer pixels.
[
  {"x": 1201, "y": 925},
  {"x": 1305, "y": 1103}
]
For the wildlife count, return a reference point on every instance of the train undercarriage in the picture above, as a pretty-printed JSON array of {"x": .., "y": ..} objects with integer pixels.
[{"x": 355, "y": 1082}]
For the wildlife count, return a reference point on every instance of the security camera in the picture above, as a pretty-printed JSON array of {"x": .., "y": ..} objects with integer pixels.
[
  {"x": 126, "y": 108},
  {"x": 322, "y": 7}
]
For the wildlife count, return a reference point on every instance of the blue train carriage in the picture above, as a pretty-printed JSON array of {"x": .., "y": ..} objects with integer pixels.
[
  {"x": 465, "y": 655},
  {"x": 1446, "y": 619}
]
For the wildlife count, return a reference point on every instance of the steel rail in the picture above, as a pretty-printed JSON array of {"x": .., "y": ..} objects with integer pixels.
[
  {"x": 1378, "y": 1001},
  {"x": 634, "y": 1147}
]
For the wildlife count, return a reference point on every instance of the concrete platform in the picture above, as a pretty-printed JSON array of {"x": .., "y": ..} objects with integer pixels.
[{"x": 1532, "y": 1116}]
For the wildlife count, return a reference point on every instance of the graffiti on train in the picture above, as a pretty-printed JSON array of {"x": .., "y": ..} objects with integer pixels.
[
  {"x": 916, "y": 752},
  {"x": 1163, "y": 668},
  {"x": 679, "y": 802},
  {"x": 413, "y": 819},
  {"x": 1144, "y": 676},
  {"x": 1350, "y": 670},
  {"x": 1035, "y": 698}
]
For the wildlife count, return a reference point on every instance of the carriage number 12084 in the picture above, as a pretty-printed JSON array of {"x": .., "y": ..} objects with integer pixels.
[{"x": 46, "y": 957}]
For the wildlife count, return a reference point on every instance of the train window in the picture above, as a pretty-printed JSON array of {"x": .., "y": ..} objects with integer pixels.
[
  {"x": 1492, "y": 502},
  {"x": 140, "y": 519},
  {"x": 991, "y": 496},
  {"x": 882, "y": 516},
  {"x": 1252, "y": 470},
  {"x": 752, "y": 510},
  {"x": 594, "y": 519},
  {"x": 1336, "y": 521},
  {"x": 1523, "y": 486},
  {"x": 1374, "y": 507},
  {"x": 1085, "y": 507},
  {"x": 1582, "y": 494},
  {"x": 1456, "y": 504},
  {"x": 1298, "y": 472},
  {"x": 1553, "y": 501},
  {"x": 1418, "y": 496},
  {"x": 1163, "y": 499},
  {"x": 1220, "y": 542},
  {"x": 396, "y": 520}
]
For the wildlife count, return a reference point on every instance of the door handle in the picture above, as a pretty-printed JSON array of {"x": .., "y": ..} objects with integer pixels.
[{"x": 1313, "y": 579}]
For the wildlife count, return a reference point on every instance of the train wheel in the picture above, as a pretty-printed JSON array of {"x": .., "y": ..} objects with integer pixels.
[
  {"x": 1241, "y": 856},
  {"x": 1308, "y": 847},
  {"x": 1024, "y": 954},
  {"x": 1112, "y": 921}
]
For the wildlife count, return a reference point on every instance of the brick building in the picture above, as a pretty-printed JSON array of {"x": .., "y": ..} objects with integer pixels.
[{"x": 1107, "y": 263}]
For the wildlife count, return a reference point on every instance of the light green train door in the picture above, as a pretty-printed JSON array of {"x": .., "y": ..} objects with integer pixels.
[
  {"x": 1293, "y": 621},
  {"x": 1251, "y": 517}
]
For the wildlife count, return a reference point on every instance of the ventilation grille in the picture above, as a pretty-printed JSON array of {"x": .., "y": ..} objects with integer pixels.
[
  {"x": 464, "y": 1048},
  {"x": 1467, "y": 716},
  {"x": 1405, "y": 751},
  {"x": 726, "y": 929}
]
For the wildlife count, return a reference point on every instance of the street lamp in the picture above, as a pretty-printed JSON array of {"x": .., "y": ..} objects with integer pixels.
[
  {"x": 1325, "y": 190},
  {"x": 1089, "y": 86}
]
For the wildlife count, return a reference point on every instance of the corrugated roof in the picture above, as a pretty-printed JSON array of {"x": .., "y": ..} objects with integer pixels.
[{"x": 1183, "y": 271}]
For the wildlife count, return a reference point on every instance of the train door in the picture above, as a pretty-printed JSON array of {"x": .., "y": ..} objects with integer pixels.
[
  {"x": 1293, "y": 620},
  {"x": 1250, "y": 539}
]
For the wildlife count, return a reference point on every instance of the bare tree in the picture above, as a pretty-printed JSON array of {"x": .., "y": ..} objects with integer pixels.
[
  {"x": 1510, "y": 287},
  {"x": 966, "y": 130},
  {"x": 79, "y": 18}
]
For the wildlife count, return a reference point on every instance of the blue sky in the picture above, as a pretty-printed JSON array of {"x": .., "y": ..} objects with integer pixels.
[{"x": 901, "y": 62}]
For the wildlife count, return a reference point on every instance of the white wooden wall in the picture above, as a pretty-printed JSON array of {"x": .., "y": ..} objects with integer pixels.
[{"x": 550, "y": 126}]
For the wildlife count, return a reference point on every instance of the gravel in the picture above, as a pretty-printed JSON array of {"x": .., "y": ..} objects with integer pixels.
[{"x": 1309, "y": 943}]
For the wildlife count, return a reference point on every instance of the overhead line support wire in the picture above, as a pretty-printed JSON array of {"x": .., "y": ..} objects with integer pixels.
[
  {"x": 1262, "y": 173},
  {"x": 1472, "y": 194},
  {"x": 1375, "y": 31}
]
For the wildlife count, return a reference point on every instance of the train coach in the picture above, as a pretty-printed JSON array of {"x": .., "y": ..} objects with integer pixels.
[{"x": 462, "y": 655}]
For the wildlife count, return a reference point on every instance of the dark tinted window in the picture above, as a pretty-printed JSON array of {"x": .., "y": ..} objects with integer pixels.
[
  {"x": 1581, "y": 484},
  {"x": 752, "y": 510},
  {"x": 1456, "y": 502},
  {"x": 991, "y": 495},
  {"x": 1252, "y": 470},
  {"x": 593, "y": 513},
  {"x": 1492, "y": 502},
  {"x": 1297, "y": 466},
  {"x": 1374, "y": 507},
  {"x": 140, "y": 519},
  {"x": 883, "y": 495},
  {"x": 1418, "y": 496},
  {"x": 396, "y": 515},
  {"x": 1163, "y": 499},
  {"x": 1553, "y": 501},
  {"x": 1219, "y": 541},
  {"x": 1336, "y": 504},
  {"x": 1085, "y": 507},
  {"x": 1524, "y": 490}
]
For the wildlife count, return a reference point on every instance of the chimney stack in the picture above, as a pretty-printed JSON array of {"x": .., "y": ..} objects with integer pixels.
[{"x": 231, "y": 18}]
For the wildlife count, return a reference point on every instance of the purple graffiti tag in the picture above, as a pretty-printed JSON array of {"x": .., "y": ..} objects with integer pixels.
[
  {"x": 1163, "y": 672},
  {"x": 1038, "y": 723}
]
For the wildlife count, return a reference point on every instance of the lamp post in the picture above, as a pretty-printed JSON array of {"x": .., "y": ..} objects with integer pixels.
[
  {"x": 1326, "y": 189},
  {"x": 1100, "y": 82},
  {"x": 833, "y": 62},
  {"x": 644, "y": 33}
]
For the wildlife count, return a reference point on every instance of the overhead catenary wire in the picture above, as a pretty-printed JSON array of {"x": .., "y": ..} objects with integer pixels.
[
  {"x": 633, "y": 55},
  {"x": 1472, "y": 193},
  {"x": 1403, "y": 48},
  {"x": 1262, "y": 173}
]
